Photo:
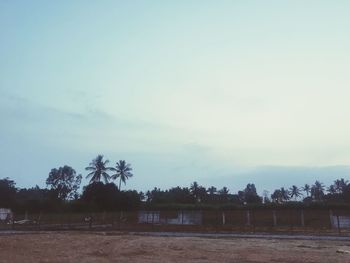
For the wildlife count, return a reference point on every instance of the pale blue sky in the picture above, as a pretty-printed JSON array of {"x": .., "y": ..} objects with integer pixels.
[{"x": 222, "y": 92}]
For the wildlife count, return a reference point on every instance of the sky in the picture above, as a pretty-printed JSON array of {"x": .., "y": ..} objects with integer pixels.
[{"x": 220, "y": 92}]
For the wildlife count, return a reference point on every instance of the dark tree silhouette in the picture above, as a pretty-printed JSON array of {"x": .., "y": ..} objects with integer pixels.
[
  {"x": 285, "y": 194},
  {"x": 276, "y": 196},
  {"x": 123, "y": 172},
  {"x": 340, "y": 185},
  {"x": 224, "y": 191},
  {"x": 98, "y": 168},
  {"x": 7, "y": 192},
  {"x": 224, "y": 194},
  {"x": 249, "y": 195},
  {"x": 307, "y": 189},
  {"x": 332, "y": 190},
  {"x": 64, "y": 182},
  {"x": 211, "y": 190},
  {"x": 280, "y": 195},
  {"x": 265, "y": 196},
  {"x": 198, "y": 192},
  {"x": 317, "y": 191},
  {"x": 294, "y": 192}
]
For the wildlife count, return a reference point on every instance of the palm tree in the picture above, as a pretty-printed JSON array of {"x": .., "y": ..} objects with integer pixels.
[
  {"x": 294, "y": 192},
  {"x": 332, "y": 189},
  {"x": 317, "y": 191},
  {"x": 123, "y": 171},
  {"x": 198, "y": 192},
  {"x": 211, "y": 190},
  {"x": 224, "y": 191},
  {"x": 98, "y": 169},
  {"x": 277, "y": 196},
  {"x": 307, "y": 189},
  {"x": 284, "y": 194},
  {"x": 340, "y": 185},
  {"x": 194, "y": 190}
]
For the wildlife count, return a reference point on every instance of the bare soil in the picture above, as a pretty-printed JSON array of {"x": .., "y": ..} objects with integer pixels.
[{"x": 101, "y": 247}]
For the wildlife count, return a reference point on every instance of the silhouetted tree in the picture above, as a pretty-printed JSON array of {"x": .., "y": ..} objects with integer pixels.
[
  {"x": 224, "y": 194},
  {"x": 340, "y": 185},
  {"x": 123, "y": 172},
  {"x": 198, "y": 192},
  {"x": 224, "y": 191},
  {"x": 101, "y": 196},
  {"x": 277, "y": 196},
  {"x": 98, "y": 168},
  {"x": 294, "y": 192},
  {"x": 249, "y": 195},
  {"x": 317, "y": 191},
  {"x": 64, "y": 182},
  {"x": 36, "y": 199},
  {"x": 211, "y": 190},
  {"x": 7, "y": 193},
  {"x": 285, "y": 194},
  {"x": 179, "y": 195},
  {"x": 307, "y": 189},
  {"x": 332, "y": 190},
  {"x": 266, "y": 198}
]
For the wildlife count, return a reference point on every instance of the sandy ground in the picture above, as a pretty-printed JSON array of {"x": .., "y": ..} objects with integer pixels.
[{"x": 98, "y": 247}]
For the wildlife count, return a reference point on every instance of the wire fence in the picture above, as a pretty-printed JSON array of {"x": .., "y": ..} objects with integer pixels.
[{"x": 313, "y": 221}]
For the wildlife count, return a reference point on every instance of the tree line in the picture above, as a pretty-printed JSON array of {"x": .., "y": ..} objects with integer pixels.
[{"x": 103, "y": 192}]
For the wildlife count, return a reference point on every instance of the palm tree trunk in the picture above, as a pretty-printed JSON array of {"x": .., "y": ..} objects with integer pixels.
[{"x": 120, "y": 182}]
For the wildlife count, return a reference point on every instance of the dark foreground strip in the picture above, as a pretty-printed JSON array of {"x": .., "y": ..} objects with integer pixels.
[
  {"x": 188, "y": 234},
  {"x": 226, "y": 235}
]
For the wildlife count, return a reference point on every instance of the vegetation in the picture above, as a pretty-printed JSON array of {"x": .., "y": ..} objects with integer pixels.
[
  {"x": 98, "y": 169},
  {"x": 102, "y": 194},
  {"x": 123, "y": 172}
]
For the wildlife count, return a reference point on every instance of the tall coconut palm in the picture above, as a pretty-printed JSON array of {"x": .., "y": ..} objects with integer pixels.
[
  {"x": 198, "y": 192},
  {"x": 307, "y": 189},
  {"x": 123, "y": 172},
  {"x": 340, "y": 185},
  {"x": 332, "y": 190},
  {"x": 194, "y": 190},
  {"x": 223, "y": 194},
  {"x": 294, "y": 192},
  {"x": 211, "y": 190},
  {"x": 98, "y": 168},
  {"x": 224, "y": 191},
  {"x": 317, "y": 191},
  {"x": 284, "y": 194}
]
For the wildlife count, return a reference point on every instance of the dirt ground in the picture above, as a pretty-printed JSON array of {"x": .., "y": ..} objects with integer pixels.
[{"x": 101, "y": 247}]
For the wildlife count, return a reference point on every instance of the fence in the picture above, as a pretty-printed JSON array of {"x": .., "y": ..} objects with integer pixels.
[{"x": 336, "y": 221}]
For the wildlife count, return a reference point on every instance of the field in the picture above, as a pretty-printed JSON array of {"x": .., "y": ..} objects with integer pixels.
[{"x": 122, "y": 247}]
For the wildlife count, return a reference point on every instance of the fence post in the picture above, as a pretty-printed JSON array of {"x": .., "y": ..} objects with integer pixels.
[
  {"x": 104, "y": 217},
  {"x": 13, "y": 221},
  {"x": 302, "y": 218},
  {"x": 90, "y": 222},
  {"x": 291, "y": 224},
  {"x": 274, "y": 217},
  {"x": 248, "y": 218},
  {"x": 338, "y": 223},
  {"x": 39, "y": 220},
  {"x": 331, "y": 218},
  {"x": 223, "y": 218},
  {"x": 253, "y": 221}
]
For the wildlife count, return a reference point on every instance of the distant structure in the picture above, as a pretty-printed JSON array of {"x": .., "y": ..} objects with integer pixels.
[
  {"x": 177, "y": 218},
  {"x": 340, "y": 221},
  {"x": 6, "y": 214}
]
